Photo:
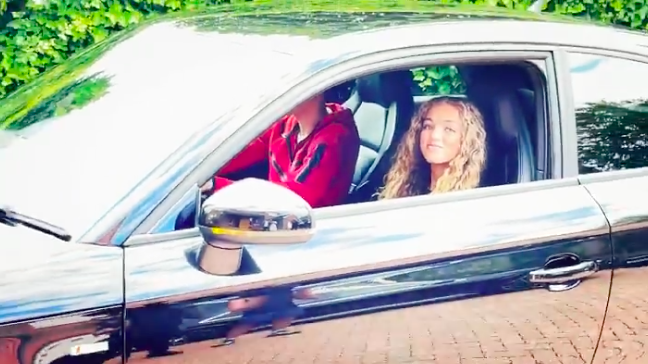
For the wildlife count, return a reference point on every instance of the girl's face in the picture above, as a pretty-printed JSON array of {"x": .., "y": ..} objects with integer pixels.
[{"x": 442, "y": 134}]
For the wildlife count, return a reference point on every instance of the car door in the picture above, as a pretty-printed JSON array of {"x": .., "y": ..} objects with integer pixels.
[
  {"x": 507, "y": 274},
  {"x": 611, "y": 120}
]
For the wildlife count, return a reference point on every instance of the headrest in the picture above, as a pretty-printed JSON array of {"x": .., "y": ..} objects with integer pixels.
[
  {"x": 340, "y": 93},
  {"x": 384, "y": 88},
  {"x": 493, "y": 89},
  {"x": 510, "y": 115}
]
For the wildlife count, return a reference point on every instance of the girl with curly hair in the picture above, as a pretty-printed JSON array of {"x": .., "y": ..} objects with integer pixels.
[{"x": 444, "y": 150}]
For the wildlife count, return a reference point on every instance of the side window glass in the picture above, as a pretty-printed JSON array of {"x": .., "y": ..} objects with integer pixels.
[
  {"x": 181, "y": 216},
  {"x": 611, "y": 102},
  {"x": 437, "y": 80}
]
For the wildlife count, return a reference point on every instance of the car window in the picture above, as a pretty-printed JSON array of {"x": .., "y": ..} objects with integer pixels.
[
  {"x": 370, "y": 104},
  {"x": 611, "y": 101}
]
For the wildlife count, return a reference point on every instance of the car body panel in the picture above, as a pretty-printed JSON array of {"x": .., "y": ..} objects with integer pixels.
[
  {"x": 55, "y": 296},
  {"x": 609, "y": 100},
  {"x": 623, "y": 197},
  {"x": 390, "y": 285}
]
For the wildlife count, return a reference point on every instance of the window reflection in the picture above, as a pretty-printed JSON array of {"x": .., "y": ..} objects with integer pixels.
[
  {"x": 611, "y": 103},
  {"x": 76, "y": 95}
]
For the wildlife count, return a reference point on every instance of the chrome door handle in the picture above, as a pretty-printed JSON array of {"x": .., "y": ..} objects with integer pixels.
[{"x": 564, "y": 274}]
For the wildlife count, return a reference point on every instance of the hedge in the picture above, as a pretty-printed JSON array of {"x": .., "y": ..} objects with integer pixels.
[{"x": 39, "y": 34}]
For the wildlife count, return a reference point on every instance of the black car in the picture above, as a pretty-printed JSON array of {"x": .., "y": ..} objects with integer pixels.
[{"x": 102, "y": 157}]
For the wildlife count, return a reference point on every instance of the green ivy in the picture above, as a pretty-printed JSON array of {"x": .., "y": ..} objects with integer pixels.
[
  {"x": 438, "y": 80},
  {"x": 37, "y": 35},
  {"x": 47, "y": 33}
]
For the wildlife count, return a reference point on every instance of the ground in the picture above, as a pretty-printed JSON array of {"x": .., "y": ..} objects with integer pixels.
[
  {"x": 533, "y": 327},
  {"x": 519, "y": 328}
]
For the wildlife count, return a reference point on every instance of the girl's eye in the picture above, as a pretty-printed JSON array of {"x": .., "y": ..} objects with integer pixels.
[
  {"x": 427, "y": 127},
  {"x": 449, "y": 130}
]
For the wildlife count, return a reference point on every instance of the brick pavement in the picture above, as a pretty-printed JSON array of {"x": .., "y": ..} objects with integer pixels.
[
  {"x": 518, "y": 328},
  {"x": 625, "y": 334}
]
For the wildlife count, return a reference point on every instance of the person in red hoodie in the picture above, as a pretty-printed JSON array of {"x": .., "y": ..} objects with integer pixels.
[{"x": 311, "y": 151}]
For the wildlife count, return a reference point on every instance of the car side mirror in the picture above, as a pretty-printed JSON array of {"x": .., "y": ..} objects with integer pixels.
[{"x": 250, "y": 211}]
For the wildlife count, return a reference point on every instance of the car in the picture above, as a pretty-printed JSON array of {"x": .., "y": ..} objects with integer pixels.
[{"x": 543, "y": 263}]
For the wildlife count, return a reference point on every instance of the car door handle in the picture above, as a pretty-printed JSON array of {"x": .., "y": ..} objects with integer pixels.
[{"x": 564, "y": 274}]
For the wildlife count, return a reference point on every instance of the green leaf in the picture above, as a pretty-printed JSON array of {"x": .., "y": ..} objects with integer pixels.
[
  {"x": 99, "y": 34},
  {"x": 444, "y": 89}
]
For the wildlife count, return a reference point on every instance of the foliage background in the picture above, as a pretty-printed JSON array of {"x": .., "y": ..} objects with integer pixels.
[{"x": 36, "y": 35}]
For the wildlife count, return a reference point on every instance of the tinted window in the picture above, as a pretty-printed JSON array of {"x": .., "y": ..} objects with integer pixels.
[{"x": 611, "y": 100}]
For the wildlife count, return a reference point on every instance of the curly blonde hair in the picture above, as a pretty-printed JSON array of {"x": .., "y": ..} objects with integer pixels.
[{"x": 410, "y": 174}]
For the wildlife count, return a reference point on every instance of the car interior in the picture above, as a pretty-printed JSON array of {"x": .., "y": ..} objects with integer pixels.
[{"x": 511, "y": 97}]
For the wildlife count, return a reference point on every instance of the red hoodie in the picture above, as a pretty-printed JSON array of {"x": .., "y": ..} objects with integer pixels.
[{"x": 319, "y": 168}]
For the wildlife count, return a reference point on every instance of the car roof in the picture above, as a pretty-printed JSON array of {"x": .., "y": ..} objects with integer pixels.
[{"x": 83, "y": 135}]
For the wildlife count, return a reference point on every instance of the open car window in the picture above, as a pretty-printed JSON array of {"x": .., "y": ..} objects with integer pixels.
[{"x": 508, "y": 144}]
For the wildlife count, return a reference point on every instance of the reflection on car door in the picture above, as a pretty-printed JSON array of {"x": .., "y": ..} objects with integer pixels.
[
  {"x": 624, "y": 201},
  {"x": 60, "y": 302},
  {"x": 518, "y": 277},
  {"x": 610, "y": 98}
]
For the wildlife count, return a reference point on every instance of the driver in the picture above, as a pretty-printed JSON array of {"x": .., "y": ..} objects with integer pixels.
[{"x": 311, "y": 151}]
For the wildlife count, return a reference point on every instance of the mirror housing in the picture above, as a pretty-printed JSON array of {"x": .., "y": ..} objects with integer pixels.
[{"x": 250, "y": 211}]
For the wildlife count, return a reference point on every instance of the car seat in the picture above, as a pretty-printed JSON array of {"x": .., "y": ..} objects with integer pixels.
[
  {"x": 382, "y": 105},
  {"x": 493, "y": 89}
]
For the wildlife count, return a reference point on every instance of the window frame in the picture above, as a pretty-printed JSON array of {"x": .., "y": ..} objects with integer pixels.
[
  {"x": 543, "y": 114},
  {"x": 351, "y": 69},
  {"x": 570, "y": 137}
]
